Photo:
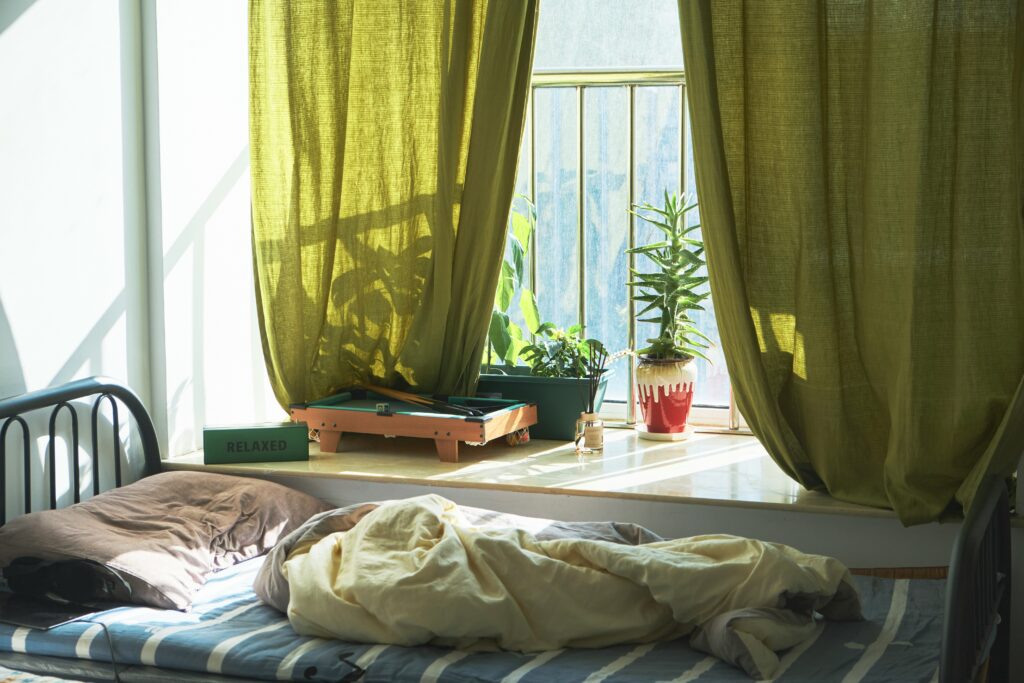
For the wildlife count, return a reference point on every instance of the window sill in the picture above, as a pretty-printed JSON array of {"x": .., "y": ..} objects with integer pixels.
[
  {"x": 708, "y": 469},
  {"x": 701, "y": 417}
]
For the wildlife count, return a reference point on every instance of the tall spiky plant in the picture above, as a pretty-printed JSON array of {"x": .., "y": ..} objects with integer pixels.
[{"x": 671, "y": 289}]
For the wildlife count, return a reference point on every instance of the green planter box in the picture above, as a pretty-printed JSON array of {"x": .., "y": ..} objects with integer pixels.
[{"x": 560, "y": 400}]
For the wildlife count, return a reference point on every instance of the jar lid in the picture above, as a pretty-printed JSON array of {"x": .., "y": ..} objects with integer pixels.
[{"x": 588, "y": 416}]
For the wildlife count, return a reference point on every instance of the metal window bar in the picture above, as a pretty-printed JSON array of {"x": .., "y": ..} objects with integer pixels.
[{"x": 580, "y": 80}]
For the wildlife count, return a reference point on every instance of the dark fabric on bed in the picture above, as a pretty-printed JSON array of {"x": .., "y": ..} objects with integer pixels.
[
  {"x": 165, "y": 533},
  {"x": 272, "y": 587}
]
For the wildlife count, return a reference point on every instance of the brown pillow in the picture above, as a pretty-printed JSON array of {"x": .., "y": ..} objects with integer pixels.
[{"x": 163, "y": 534}]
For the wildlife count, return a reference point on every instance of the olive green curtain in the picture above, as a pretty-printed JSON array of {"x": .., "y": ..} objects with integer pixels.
[
  {"x": 860, "y": 183},
  {"x": 384, "y": 139}
]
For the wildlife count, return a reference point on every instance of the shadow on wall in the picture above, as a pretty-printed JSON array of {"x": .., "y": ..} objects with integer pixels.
[
  {"x": 12, "y": 383},
  {"x": 87, "y": 356},
  {"x": 10, "y": 10},
  {"x": 12, "y": 376},
  {"x": 192, "y": 240}
]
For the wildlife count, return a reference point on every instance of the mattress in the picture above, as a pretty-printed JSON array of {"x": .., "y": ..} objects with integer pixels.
[
  {"x": 229, "y": 632},
  {"x": 11, "y": 676}
]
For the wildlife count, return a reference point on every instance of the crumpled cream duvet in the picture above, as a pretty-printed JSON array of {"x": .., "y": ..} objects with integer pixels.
[{"x": 417, "y": 571}]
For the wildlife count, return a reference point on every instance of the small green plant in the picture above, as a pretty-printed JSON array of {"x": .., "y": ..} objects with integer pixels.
[
  {"x": 670, "y": 291},
  {"x": 561, "y": 353}
]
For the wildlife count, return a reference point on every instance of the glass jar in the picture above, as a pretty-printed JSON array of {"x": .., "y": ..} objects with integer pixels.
[{"x": 589, "y": 434}]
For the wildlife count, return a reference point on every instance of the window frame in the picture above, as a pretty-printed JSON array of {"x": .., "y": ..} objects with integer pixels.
[{"x": 625, "y": 412}]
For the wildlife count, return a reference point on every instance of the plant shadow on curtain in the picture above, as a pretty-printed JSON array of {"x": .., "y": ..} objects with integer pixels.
[
  {"x": 384, "y": 142},
  {"x": 860, "y": 180}
]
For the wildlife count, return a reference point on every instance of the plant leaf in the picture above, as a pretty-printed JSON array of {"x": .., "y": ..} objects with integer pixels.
[
  {"x": 648, "y": 308},
  {"x": 498, "y": 330},
  {"x": 518, "y": 258},
  {"x": 545, "y": 329},
  {"x": 528, "y": 307},
  {"x": 514, "y": 349},
  {"x": 694, "y": 352},
  {"x": 522, "y": 229},
  {"x": 506, "y": 287}
]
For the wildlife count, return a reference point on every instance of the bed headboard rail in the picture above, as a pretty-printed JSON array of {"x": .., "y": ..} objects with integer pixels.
[
  {"x": 59, "y": 399},
  {"x": 978, "y": 595}
]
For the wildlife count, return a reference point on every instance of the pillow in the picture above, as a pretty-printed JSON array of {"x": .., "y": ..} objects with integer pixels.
[{"x": 163, "y": 534}]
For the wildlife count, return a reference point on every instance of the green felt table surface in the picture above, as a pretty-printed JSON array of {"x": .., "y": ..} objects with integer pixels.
[{"x": 368, "y": 404}]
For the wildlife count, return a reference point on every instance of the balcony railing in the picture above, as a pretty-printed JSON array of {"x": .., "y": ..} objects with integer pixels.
[{"x": 631, "y": 80}]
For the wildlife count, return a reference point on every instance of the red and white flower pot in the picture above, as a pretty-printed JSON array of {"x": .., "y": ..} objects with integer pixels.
[{"x": 665, "y": 388}]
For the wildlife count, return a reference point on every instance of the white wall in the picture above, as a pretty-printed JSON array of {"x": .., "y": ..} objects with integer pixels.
[
  {"x": 69, "y": 202},
  {"x": 209, "y": 368},
  {"x": 72, "y": 240},
  {"x": 124, "y": 212}
]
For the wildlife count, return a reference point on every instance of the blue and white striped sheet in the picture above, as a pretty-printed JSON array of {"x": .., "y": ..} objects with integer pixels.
[{"x": 230, "y": 632}]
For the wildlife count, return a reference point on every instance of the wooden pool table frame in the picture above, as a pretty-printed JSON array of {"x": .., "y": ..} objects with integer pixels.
[{"x": 446, "y": 430}]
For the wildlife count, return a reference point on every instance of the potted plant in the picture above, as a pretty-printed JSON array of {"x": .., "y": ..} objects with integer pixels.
[
  {"x": 559, "y": 377},
  {"x": 551, "y": 370},
  {"x": 665, "y": 374}
]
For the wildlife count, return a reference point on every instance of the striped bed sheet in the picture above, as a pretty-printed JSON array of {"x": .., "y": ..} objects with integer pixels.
[{"x": 229, "y": 632}]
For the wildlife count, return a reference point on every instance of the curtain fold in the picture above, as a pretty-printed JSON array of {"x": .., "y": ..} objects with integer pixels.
[
  {"x": 858, "y": 168},
  {"x": 383, "y": 139}
]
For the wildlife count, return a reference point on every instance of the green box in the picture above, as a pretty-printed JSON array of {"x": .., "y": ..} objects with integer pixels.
[
  {"x": 269, "y": 442},
  {"x": 560, "y": 400}
]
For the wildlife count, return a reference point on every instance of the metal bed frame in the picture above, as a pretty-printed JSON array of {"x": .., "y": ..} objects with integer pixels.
[
  {"x": 977, "y": 626},
  {"x": 59, "y": 398}
]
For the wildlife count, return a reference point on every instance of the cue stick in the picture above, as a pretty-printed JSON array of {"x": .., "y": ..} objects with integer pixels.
[{"x": 440, "y": 406}]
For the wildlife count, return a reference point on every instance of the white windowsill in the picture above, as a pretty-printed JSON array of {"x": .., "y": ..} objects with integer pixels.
[
  {"x": 712, "y": 469},
  {"x": 700, "y": 416}
]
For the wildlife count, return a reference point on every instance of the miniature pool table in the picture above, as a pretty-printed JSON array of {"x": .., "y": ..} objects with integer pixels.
[{"x": 365, "y": 412}]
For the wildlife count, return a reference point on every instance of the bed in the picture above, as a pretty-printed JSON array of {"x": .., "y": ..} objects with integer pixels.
[{"x": 950, "y": 628}]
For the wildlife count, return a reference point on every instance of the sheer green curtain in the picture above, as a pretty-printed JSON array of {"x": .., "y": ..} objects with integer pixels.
[
  {"x": 860, "y": 182},
  {"x": 384, "y": 140}
]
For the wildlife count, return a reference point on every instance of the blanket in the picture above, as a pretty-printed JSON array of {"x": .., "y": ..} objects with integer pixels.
[{"x": 425, "y": 570}]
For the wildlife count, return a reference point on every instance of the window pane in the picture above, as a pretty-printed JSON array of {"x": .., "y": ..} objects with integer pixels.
[
  {"x": 658, "y": 150},
  {"x": 589, "y": 34},
  {"x": 606, "y": 159},
  {"x": 657, "y": 169},
  {"x": 580, "y": 35},
  {"x": 523, "y": 170},
  {"x": 520, "y": 205},
  {"x": 557, "y": 192}
]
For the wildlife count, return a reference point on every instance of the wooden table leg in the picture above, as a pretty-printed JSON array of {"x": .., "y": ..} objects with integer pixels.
[
  {"x": 447, "y": 450},
  {"x": 329, "y": 441}
]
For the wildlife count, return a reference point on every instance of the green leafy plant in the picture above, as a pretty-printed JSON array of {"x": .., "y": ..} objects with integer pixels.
[
  {"x": 506, "y": 339},
  {"x": 562, "y": 353},
  {"x": 552, "y": 352},
  {"x": 670, "y": 291}
]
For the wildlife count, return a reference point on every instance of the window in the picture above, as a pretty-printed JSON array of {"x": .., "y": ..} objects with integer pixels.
[{"x": 606, "y": 127}]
